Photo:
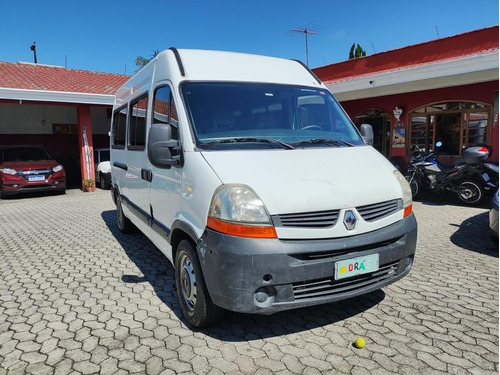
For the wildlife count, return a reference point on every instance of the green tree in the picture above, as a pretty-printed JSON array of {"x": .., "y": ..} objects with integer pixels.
[
  {"x": 141, "y": 62},
  {"x": 356, "y": 51}
]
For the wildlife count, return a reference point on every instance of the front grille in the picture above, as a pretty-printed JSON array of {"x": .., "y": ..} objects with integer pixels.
[
  {"x": 34, "y": 171},
  {"x": 25, "y": 174},
  {"x": 336, "y": 253},
  {"x": 319, "y": 219},
  {"x": 377, "y": 211},
  {"x": 330, "y": 287}
]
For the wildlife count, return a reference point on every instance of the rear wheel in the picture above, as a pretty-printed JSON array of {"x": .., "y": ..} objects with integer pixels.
[
  {"x": 124, "y": 224},
  {"x": 194, "y": 299},
  {"x": 471, "y": 192}
]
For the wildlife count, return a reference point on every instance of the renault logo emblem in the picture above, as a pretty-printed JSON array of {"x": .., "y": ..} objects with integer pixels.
[{"x": 350, "y": 220}]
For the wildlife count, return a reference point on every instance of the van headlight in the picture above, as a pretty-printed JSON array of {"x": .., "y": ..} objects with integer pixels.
[
  {"x": 58, "y": 168},
  {"x": 237, "y": 210},
  {"x": 407, "y": 197}
]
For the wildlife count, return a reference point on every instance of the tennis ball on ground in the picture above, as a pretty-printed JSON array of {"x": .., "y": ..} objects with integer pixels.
[{"x": 359, "y": 343}]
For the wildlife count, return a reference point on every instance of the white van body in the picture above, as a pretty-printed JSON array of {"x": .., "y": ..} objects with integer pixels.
[{"x": 318, "y": 196}]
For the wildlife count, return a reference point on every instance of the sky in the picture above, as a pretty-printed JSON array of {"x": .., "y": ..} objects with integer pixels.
[{"x": 108, "y": 35}]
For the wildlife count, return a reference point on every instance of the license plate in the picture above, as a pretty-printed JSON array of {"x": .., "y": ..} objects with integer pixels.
[
  {"x": 486, "y": 177},
  {"x": 356, "y": 266},
  {"x": 36, "y": 178}
]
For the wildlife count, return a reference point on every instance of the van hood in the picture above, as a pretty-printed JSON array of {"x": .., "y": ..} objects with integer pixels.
[{"x": 307, "y": 180}]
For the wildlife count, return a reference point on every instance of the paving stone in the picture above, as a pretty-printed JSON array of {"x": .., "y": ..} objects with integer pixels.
[{"x": 73, "y": 305}]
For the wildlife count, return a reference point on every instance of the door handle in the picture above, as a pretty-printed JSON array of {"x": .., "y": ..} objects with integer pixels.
[{"x": 147, "y": 174}]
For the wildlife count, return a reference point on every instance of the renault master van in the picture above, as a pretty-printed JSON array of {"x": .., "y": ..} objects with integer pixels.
[{"x": 248, "y": 175}]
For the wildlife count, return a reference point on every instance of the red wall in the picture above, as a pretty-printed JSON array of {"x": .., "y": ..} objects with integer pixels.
[{"x": 479, "y": 92}]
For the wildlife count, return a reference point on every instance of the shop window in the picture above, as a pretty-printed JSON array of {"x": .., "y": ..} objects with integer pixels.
[{"x": 456, "y": 124}]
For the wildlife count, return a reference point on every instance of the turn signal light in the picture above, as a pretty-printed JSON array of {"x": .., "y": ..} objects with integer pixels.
[
  {"x": 239, "y": 230},
  {"x": 408, "y": 210}
]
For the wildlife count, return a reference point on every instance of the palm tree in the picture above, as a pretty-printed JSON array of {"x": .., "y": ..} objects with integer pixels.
[{"x": 141, "y": 62}]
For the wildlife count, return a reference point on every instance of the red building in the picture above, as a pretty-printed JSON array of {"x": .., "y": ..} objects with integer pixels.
[
  {"x": 54, "y": 106},
  {"x": 442, "y": 90}
]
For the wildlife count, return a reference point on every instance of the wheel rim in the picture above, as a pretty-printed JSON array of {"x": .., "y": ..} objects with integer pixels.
[
  {"x": 471, "y": 193},
  {"x": 187, "y": 282}
]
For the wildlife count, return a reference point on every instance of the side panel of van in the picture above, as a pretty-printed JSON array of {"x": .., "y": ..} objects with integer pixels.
[{"x": 165, "y": 191}]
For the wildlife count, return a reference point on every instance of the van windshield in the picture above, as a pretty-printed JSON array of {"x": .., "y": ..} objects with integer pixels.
[{"x": 262, "y": 115}]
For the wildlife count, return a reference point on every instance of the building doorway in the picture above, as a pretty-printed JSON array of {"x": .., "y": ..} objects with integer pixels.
[{"x": 380, "y": 120}]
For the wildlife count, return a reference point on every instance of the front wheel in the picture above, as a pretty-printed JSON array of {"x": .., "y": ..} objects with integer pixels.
[
  {"x": 470, "y": 192},
  {"x": 195, "y": 301},
  {"x": 414, "y": 185}
]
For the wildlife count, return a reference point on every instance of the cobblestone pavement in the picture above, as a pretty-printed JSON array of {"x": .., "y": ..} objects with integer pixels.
[{"x": 76, "y": 296}]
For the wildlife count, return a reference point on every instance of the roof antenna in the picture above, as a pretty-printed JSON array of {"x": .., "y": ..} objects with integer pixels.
[
  {"x": 66, "y": 61},
  {"x": 306, "y": 32},
  {"x": 33, "y": 48},
  {"x": 373, "y": 47},
  {"x": 437, "y": 31}
]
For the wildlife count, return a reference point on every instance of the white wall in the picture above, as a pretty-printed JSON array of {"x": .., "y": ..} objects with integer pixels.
[
  {"x": 100, "y": 121},
  {"x": 38, "y": 119}
]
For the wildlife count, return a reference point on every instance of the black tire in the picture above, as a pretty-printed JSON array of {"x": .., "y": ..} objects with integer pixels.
[
  {"x": 414, "y": 186},
  {"x": 192, "y": 292},
  {"x": 473, "y": 194},
  {"x": 103, "y": 182},
  {"x": 123, "y": 223}
]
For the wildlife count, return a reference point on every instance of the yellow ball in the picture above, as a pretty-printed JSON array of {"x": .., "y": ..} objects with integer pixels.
[{"x": 359, "y": 343}]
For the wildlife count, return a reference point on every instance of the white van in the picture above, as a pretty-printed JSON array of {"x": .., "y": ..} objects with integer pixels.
[{"x": 251, "y": 179}]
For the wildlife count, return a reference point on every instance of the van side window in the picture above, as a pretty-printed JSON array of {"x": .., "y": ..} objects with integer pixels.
[
  {"x": 165, "y": 111},
  {"x": 119, "y": 127},
  {"x": 137, "y": 126}
]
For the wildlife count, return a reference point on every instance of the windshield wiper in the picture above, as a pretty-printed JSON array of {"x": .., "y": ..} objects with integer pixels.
[
  {"x": 253, "y": 140},
  {"x": 323, "y": 141}
]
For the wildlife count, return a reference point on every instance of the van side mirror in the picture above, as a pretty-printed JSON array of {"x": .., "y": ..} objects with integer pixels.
[
  {"x": 161, "y": 145},
  {"x": 367, "y": 134}
]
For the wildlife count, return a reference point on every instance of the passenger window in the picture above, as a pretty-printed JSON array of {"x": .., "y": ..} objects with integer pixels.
[
  {"x": 119, "y": 127},
  {"x": 165, "y": 111},
  {"x": 137, "y": 127}
]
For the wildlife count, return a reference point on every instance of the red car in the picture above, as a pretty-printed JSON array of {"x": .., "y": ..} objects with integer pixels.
[{"x": 29, "y": 168}]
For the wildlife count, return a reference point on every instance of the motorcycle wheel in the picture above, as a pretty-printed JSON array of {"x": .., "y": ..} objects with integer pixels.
[
  {"x": 415, "y": 187},
  {"x": 472, "y": 193}
]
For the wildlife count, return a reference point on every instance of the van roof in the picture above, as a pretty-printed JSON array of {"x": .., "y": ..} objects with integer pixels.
[
  {"x": 232, "y": 66},
  {"x": 205, "y": 65}
]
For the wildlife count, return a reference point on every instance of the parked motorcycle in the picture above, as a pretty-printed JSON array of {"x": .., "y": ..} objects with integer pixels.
[{"x": 466, "y": 179}]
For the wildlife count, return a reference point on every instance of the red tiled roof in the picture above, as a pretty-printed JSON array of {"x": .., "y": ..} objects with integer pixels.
[
  {"x": 477, "y": 42},
  {"x": 54, "y": 78}
]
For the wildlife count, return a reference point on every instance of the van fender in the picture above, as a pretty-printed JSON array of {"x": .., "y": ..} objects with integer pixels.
[{"x": 181, "y": 226}]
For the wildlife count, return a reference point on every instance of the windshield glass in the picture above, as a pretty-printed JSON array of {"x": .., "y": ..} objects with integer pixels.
[
  {"x": 225, "y": 115},
  {"x": 24, "y": 154}
]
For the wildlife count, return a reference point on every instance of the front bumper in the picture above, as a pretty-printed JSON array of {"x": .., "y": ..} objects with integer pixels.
[
  {"x": 16, "y": 184},
  {"x": 240, "y": 272}
]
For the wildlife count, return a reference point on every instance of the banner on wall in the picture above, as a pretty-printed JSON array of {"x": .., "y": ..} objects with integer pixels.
[{"x": 399, "y": 137}]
